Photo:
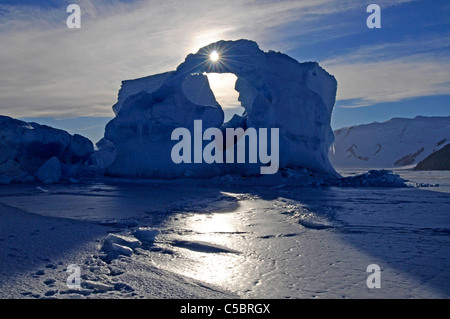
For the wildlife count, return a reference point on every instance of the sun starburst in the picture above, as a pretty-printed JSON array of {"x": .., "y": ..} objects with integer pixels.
[{"x": 214, "y": 56}]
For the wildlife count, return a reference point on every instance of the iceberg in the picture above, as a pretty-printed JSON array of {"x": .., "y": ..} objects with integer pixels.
[
  {"x": 373, "y": 178},
  {"x": 276, "y": 91},
  {"x": 31, "y": 149},
  {"x": 104, "y": 156}
]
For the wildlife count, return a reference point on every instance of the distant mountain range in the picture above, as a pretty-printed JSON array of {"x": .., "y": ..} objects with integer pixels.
[
  {"x": 439, "y": 160},
  {"x": 398, "y": 142}
]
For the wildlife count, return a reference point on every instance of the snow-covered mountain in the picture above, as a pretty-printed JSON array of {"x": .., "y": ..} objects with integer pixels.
[{"x": 396, "y": 143}]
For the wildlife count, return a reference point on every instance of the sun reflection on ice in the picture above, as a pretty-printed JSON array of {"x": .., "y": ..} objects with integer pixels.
[
  {"x": 213, "y": 256},
  {"x": 214, "y": 224},
  {"x": 206, "y": 247}
]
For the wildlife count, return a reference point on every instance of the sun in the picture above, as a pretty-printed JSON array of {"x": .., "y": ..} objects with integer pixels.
[{"x": 214, "y": 56}]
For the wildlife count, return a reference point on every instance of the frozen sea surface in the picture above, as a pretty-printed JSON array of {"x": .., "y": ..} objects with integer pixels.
[{"x": 216, "y": 241}]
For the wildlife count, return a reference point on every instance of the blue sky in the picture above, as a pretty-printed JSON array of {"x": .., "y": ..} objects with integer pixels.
[{"x": 70, "y": 78}]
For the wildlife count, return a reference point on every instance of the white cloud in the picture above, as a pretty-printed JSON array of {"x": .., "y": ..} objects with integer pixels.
[
  {"x": 49, "y": 70},
  {"x": 376, "y": 74}
]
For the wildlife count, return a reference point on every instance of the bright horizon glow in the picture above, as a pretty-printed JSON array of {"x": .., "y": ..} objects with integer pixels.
[{"x": 214, "y": 56}]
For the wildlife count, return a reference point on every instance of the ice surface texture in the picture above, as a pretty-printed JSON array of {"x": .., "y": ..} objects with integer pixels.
[{"x": 275, "y": 90}]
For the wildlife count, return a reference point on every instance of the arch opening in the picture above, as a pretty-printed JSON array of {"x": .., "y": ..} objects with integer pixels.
[{"x": 223, "y": 87}]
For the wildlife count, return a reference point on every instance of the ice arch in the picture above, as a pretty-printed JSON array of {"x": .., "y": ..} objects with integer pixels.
[{"x": 275, "y": 90}]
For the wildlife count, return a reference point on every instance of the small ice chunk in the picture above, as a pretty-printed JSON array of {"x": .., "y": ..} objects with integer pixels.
[
  {"x": 123, "y": 240},
  {"x": 50, "y": 172},
  {"x": 42, "y": 189},
  {"x": 97, "y": 286},
  {"x": 146, "y": 234},
  {"x": 121, "y": 250}
]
